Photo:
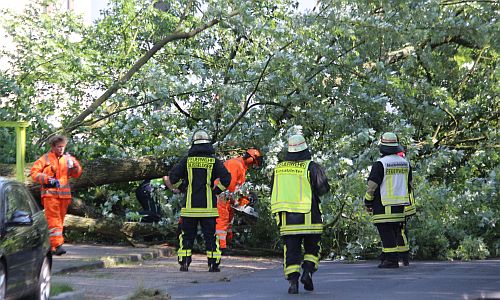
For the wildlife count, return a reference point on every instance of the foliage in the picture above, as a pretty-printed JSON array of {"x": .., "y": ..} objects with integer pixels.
[
  {"x": 59, "y": 288},
  {"x": 149, "y": 294},
  {"x": 343, "y": 74},
  {"x": 472, "y": 248}
]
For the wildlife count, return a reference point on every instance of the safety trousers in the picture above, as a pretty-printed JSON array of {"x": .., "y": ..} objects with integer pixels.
[
  {"x": 55, "y": 211},
  {"x": 294, "y": 259},
  {"x": 224, "y": 227},
  {"x": 189, "y": 228},
  {"x": 390, "y": 234}
]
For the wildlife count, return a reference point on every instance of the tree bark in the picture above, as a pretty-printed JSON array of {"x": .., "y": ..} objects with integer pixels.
[
  {"x": 133, "y": 232},
  {"x": 100, "y": 172}
]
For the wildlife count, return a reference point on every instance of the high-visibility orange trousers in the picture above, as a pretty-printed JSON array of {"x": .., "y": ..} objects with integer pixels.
[
  {"x": 55, "y": 211},
  {"x": 224, "y": 225}
]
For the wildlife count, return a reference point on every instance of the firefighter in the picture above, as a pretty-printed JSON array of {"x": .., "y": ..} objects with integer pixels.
[
  {"x": 199, "y": 170},
  {"x": 388, "y": 192},
  {"x": 53, "y": 171},
  {"x": 238, "y": 167},
  {"x": 298, "y": 182}
]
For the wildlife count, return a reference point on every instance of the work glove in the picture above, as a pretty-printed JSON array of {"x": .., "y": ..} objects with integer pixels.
[
  {"x": 253, "y": 198},
  {"x": 369, "y": 208},
  {"x": 71, "y": 163},
  {"x": 53, "y": 182}
]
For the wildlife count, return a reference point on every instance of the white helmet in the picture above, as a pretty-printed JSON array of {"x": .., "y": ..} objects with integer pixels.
[
  {"x": 296, "y": 143},
  {"x": 200, "y": 137}
]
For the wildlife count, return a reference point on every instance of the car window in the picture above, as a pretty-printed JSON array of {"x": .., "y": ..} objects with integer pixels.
[{"x": 17, "y": 199}]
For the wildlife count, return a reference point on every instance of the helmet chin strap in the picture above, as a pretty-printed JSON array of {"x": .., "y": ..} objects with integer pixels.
[{"x": 250, "y": 160}]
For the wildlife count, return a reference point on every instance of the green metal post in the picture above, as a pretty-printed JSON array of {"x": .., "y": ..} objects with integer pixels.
[
  {"x": 20, "y": 152},
  {"x": 20, "y": 145}
]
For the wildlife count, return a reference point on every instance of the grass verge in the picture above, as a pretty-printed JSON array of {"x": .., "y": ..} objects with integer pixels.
[{"x": 59, "y": 288}]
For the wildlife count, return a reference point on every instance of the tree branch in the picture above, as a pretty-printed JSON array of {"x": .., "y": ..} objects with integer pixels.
[
  {"x": 92, "y": 122},
  {"x": 468, "y": 1},
  {"x": 219, "y": 105},
  {"x": 469, "y": 74},
  {"x": 247, "y": 101},
  {"x": 136, "y": 67}
]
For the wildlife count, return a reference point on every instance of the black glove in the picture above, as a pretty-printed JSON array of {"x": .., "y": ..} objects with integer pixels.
[
  {"x": 53, "y": 182},
  {"x": 253, "y": 198}
]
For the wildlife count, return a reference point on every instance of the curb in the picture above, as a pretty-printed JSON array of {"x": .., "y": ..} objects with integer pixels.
[
  {"x": 69, "y": 296},
  {"x": 110, "y": 261}
]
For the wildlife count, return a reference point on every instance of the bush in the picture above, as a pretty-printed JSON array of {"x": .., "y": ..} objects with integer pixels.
[{"x": 472, "y": 248}]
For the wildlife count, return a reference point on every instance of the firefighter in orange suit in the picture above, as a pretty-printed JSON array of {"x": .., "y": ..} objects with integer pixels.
[
  {"x": 53, "y": 171},
  {"x": 238, "y": 167}
]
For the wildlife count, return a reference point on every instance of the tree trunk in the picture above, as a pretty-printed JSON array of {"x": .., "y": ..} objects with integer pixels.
[
  {"x": 133, "y": 232},
  {"x": 104, "y": 171},
  {"x": 100, "y": 172},
  {"x": 79, "y": 208}
]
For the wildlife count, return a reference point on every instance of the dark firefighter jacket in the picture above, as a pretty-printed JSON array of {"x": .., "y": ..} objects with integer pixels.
[{"x": 199, "y": 170}]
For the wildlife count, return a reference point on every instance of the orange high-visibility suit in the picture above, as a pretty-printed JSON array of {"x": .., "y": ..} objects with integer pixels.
[
  {"x": 223, "y": 228},
  {"x": 55, "y": 200}
]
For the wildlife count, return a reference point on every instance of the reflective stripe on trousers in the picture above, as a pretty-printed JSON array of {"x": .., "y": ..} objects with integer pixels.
[{"x": 55, "y": 211}]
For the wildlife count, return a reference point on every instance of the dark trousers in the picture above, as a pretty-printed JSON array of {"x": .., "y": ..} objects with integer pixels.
[
  {"x": 294, "y": 258},
  {"x": 389, "y": 234},
  {"x": 189, "y": 228}
]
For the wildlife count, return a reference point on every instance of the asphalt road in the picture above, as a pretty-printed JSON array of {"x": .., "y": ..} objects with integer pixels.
[
  {"x": 421, "y": 280},
  {"x": 251, "y": 278}
]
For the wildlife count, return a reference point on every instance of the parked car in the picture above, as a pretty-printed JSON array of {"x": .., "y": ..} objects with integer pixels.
[{"x": 25, "y": 257}]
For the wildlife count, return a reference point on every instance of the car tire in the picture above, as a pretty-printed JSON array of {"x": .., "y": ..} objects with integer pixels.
[
  {"x": 3, "y": 281},
  {"x": 44, "y": 276}
]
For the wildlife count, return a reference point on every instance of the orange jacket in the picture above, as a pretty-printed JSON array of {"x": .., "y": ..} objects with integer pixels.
[
  {"x": 49, "y": 166},
  {"x": 238, "y": 169}
]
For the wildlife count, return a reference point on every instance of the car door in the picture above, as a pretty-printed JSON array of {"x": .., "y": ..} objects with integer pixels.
[{"x": 22, "y": 241}]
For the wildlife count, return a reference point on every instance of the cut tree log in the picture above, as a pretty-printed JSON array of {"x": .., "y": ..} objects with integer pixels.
[{"x": 132, "y": 232}]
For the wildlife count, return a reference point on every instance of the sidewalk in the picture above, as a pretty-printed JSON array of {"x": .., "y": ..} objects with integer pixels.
[{"x": 84, "y": 256}]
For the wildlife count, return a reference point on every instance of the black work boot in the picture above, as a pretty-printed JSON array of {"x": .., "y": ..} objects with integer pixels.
[
  {"x": 294, "y": 286},
  {"x": 389, "y": 264},
  {"x": 185, "y": 262},
  {"x": 404, "y": 256},
  {"x": 306, "y": 279},
  {"x": 213, "y": 266},
  {"x": 382, "y": 258},
  {"x": 59, "y": 251}
]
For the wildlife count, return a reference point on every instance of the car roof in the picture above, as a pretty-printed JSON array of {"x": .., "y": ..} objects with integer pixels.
[{"x": 5, "y": 179}]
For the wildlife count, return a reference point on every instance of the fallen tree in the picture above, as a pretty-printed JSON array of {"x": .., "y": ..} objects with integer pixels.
[
  {"x": 102, "y": 171},
  {"x": 133, "y": 232}
]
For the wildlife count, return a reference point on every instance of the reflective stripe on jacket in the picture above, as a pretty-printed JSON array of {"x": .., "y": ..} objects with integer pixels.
[
  {"x": 307, "y": 226},
  {"x": 50, "y": 166},
  {"x": 205, "y": 209},
  {"x": 410, "y": 210},
  {"x": 291, "y": 188}
]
